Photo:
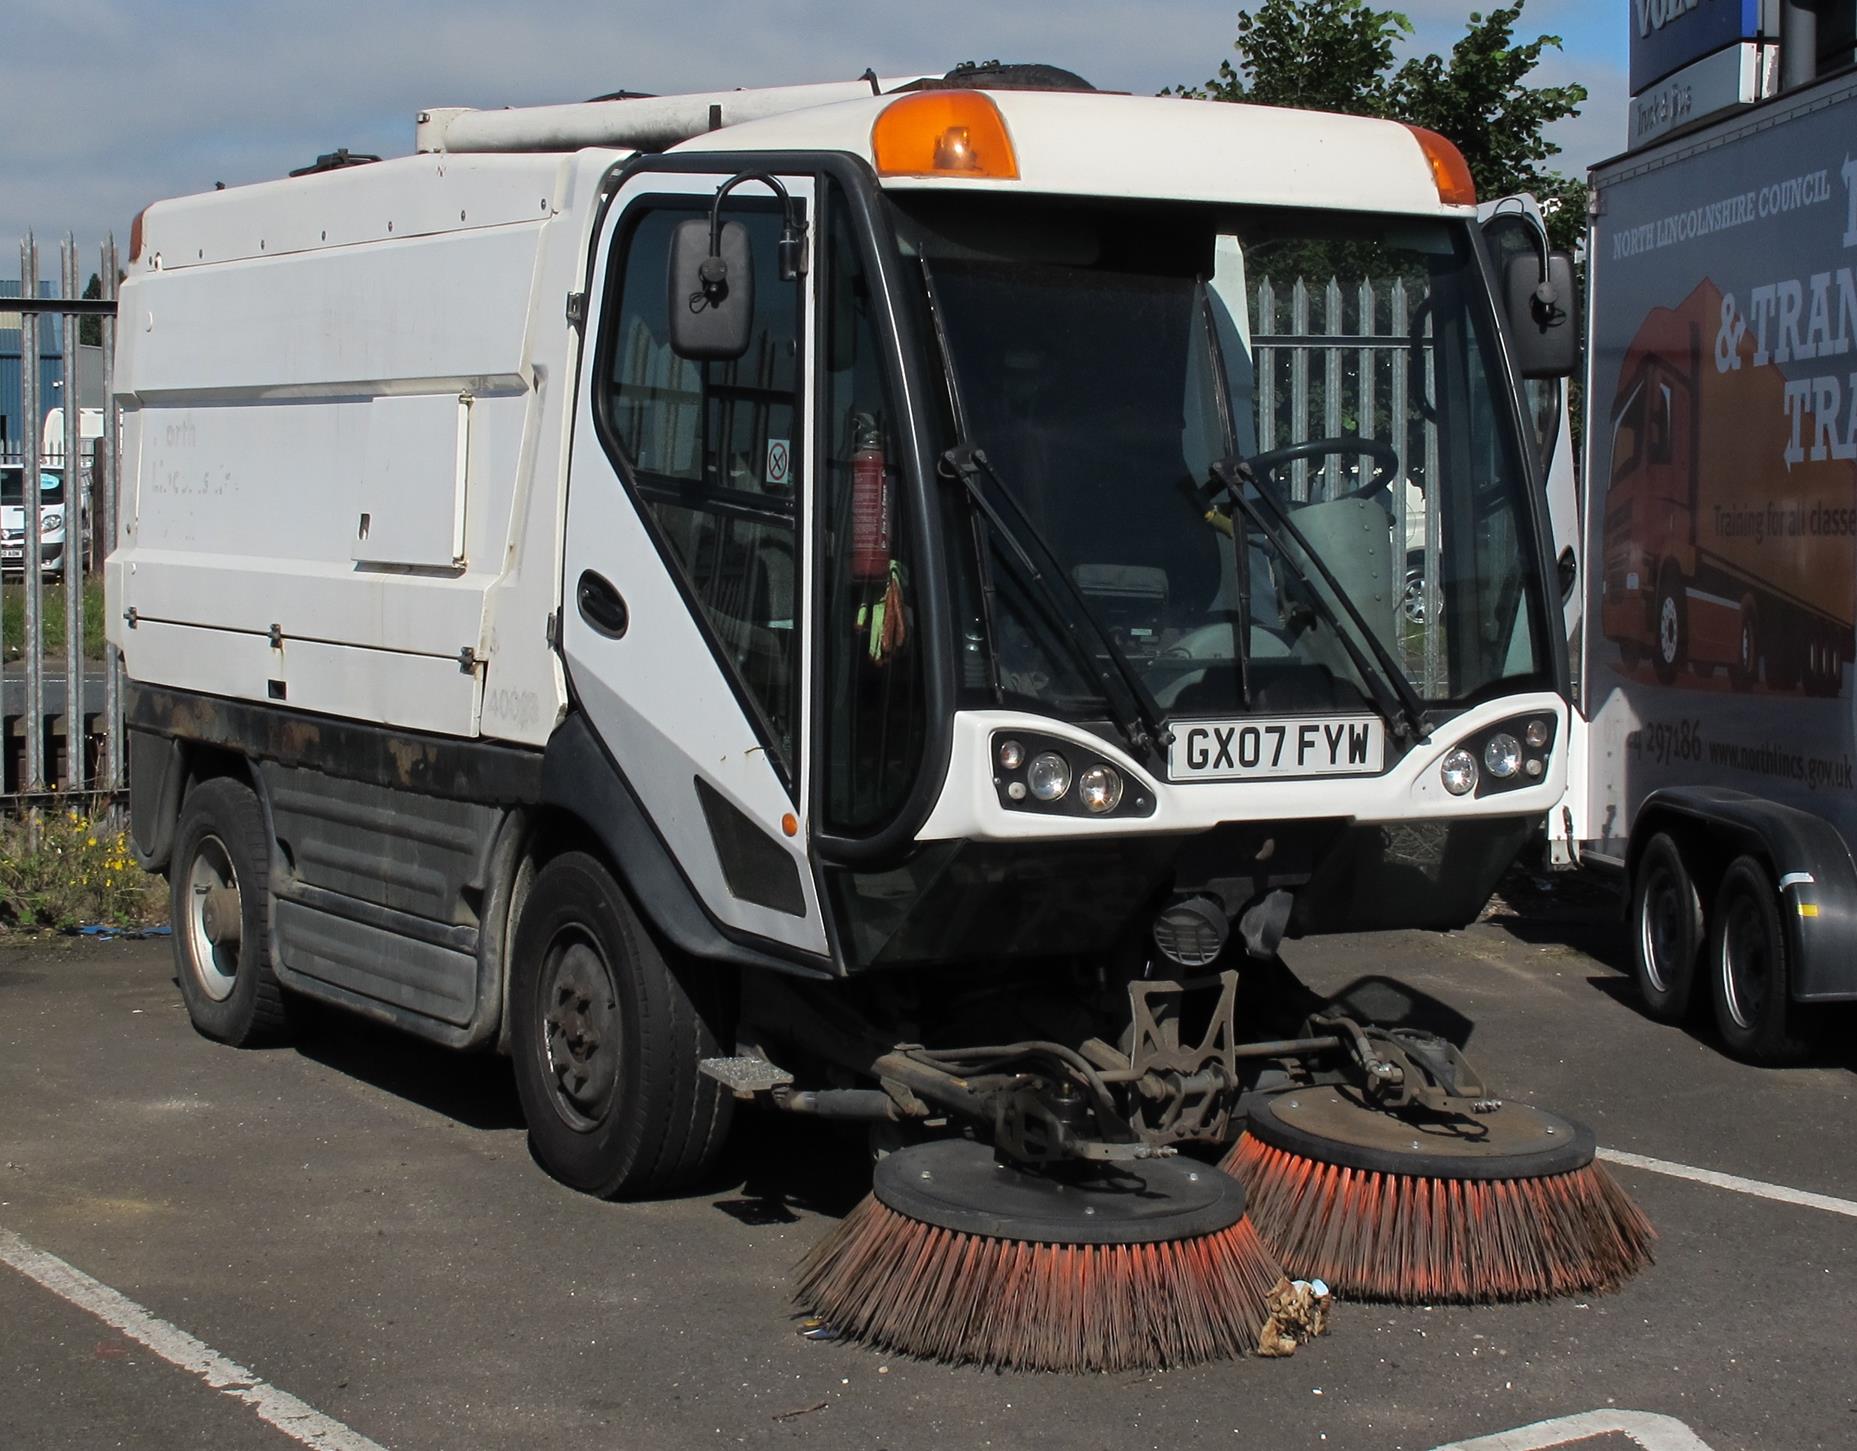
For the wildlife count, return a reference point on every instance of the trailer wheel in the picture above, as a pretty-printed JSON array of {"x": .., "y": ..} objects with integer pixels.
[
  {"x": 218, "y": 899},
  {"x": 606, "y": 1040},
  {"x": 1746, "y": 668},
  {"x": 1782, "y": 658},
  {"x": 1752, "y": 976},
  {"x": 1671, "y": 649},
  {"x": 1666, "y": 917}
]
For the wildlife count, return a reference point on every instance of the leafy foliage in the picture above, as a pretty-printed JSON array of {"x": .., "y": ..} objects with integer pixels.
[
  {"x": 1337, "y": 55},
  {"x": 69, "y": 869}
]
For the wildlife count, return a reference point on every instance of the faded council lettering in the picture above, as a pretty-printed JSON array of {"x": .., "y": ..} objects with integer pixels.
[{"x": 1796, "y": 319}]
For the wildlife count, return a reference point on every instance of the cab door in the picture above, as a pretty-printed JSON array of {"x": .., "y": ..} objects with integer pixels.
[{"x": 686, "y": 571}]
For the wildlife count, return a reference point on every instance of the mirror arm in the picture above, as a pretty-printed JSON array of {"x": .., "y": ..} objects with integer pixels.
[{"x": 792, "y": 248}]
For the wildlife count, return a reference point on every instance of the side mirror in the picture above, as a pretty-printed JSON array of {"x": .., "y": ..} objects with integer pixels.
[
  {"x": 711, "y": 303},
  {"x": 1543, "y": 316}
]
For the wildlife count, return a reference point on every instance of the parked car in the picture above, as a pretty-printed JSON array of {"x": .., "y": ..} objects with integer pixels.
[{"x": 13, "y": 521}]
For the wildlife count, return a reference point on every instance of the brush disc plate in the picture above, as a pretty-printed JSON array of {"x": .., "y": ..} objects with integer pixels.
[
  {"x": 955, "y": 1184},
  {"x": 1333, "y": 1125}
]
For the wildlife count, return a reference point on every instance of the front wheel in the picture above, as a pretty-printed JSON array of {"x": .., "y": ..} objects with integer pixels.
[
  {"x": 1752, "y": 975},
  {"x": 606, "y": 1036},
  {"x": 1671, "y": 651},
  {"x": 1666, "y": 938}
]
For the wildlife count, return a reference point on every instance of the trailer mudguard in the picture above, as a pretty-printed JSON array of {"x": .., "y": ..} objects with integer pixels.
[
  {"x": 1809, "y": 860},
  {"x": 581, "y": 779}
]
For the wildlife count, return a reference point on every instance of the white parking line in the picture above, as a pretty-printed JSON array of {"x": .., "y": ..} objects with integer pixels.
[
  {"x": 297, "y": 1420},
  {"x": 1757, "y": 1187},
  {"x": 1652, "y": 1432}
]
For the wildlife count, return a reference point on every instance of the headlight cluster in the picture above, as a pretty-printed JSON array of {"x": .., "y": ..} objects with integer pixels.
[
  {"x": 1038, "y": 773},
  {"x": 1501, "y": 758}
]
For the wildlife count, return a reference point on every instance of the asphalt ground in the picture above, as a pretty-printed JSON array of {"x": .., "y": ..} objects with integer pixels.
[{"x": 358, "y": 1222}]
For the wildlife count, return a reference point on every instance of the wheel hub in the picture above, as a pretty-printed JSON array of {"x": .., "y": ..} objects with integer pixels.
[{"x": 580, "y": 1023}]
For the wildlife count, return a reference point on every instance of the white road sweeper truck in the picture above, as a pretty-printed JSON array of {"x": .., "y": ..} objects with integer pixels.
[{"x": 886, "y": 599}]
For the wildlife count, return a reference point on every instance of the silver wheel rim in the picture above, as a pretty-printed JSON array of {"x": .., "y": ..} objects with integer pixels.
[
  {"x": 215, "y": 964},
  {"x": 580, "y": 1027},
  {"x": 1746, "y": 972},
  {"x": 1657, "y": 928},
  {"x": 1667, "y": 631}
]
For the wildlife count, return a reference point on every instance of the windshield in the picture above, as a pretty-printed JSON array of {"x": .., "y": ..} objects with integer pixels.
[
  {"x": 1105, "y": 357},
  {"x": 12, "y": 486}
]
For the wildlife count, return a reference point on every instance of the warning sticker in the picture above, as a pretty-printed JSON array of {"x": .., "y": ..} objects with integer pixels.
[{"x": 779, "y": 463}]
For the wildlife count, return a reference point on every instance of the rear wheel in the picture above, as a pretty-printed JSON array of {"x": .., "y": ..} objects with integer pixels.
[
  {"x": 606, "y": 1036},
  {"x": 1750, "y": 968},
  {"x": 218, "y": 891},
  {"x": 1666, "y": 939}
]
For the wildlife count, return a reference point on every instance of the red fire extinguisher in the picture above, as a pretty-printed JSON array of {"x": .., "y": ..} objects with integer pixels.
[{"x": 870, "y": 506}]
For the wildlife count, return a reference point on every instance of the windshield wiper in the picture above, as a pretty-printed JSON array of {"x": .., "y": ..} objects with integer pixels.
[
  {"x": 1137, "y": 714},
  {"x": 1392, "y": 692}
]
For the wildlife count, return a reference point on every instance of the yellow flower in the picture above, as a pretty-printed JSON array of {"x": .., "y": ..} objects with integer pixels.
[{"x": 91, "y": 842}]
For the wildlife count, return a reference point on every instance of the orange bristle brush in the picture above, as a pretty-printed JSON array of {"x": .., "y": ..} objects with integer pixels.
[
  {"x": 1508, "y": 1205},
  {"x": 955, "y": 1256}
]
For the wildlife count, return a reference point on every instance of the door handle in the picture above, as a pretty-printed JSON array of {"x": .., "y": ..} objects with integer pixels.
[{"x": 601, "y": 605}]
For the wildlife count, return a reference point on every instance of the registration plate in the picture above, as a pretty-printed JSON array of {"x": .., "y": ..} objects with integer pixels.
[
  {"x": 1261, "y": 748},
  {"x": 13, "y": 552}
]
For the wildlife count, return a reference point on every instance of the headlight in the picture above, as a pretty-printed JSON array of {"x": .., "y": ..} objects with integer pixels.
[
  {"x": 50, "y": 521},
  {"x": 1537, "y": 734},
  {"x": 1503, "y": 756},
  {"x": 1011, "y": 755},
  {"x": 1100, "y": 789},
  {"x": 1459, "y": 772},
  {"x": 1048, "y": 776}
]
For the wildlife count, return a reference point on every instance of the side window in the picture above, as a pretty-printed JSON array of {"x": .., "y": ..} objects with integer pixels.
[
  {"x": 1660, "y": 424},
  {"x": 713, "y": 451},
  {"x": 873, "y": 717}
]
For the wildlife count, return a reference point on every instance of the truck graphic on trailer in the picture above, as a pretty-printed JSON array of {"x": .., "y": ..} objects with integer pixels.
[{"x": 1727, "y": 542}]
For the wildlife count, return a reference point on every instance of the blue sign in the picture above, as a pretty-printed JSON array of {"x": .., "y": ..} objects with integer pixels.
[{"x": 1667, "y": 35}]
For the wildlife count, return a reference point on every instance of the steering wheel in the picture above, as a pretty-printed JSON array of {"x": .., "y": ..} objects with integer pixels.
[{"x": 1385, "y": 461}]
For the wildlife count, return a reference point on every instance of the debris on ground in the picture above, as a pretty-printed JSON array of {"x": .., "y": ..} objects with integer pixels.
[{"x": 1298, "y": 1313}]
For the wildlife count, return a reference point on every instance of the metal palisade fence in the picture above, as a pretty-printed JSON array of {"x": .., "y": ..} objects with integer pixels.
[
  {"x": 1358, "y": 360},
  {"x": 59, "y": 472}
]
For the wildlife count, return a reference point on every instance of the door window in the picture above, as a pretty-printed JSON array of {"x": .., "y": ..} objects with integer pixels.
[
  {"x": 712, "y": 451},
  {"x": 873, "y": 719}
]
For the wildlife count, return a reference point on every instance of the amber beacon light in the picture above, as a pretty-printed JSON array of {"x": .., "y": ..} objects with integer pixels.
[
  {"x": 1448, "y": 168},
  {"x": 943, "y": 133}
]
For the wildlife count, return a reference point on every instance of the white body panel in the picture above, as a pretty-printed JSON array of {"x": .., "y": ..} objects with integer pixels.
[
  {"x": 970, "y": 809},
  {"x": 336, "y": 391}
]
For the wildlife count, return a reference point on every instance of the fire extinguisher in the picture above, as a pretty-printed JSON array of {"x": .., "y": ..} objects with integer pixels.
[{"x": 870, "y": 506}]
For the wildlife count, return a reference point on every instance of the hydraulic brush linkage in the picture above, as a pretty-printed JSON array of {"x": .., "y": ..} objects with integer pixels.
[{"x": 1042, "y": 1103}]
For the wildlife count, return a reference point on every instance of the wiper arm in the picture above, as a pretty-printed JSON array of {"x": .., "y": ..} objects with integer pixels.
[
  {"x": 1137, "y": 713},
  {"x": 1392, "y": 691}
]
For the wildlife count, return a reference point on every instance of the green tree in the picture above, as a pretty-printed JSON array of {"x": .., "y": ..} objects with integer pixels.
[
  {"x": 1322, "y": 55},
  {"x": 1337, "y": 55},
  {"x": 1481, "y": 99},
  {"x": 90, "y": 329}
]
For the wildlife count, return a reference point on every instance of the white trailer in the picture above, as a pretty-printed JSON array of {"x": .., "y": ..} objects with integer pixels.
[
  {"x": 1712, "y": 756},
  {"x": 710, "y": 589}
]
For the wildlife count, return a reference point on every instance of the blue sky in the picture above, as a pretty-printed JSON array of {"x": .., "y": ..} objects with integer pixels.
[{"x": 131, "y": 100}]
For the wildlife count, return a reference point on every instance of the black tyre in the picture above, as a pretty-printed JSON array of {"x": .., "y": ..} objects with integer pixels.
[
  {"x": 1666, "y": 937},
  {"x": 1751, "y": 971},
  {"x": 1670, "y": 646},
  {"x": 219, "y": 886},
  {"x": 606, "y": 1037}
]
